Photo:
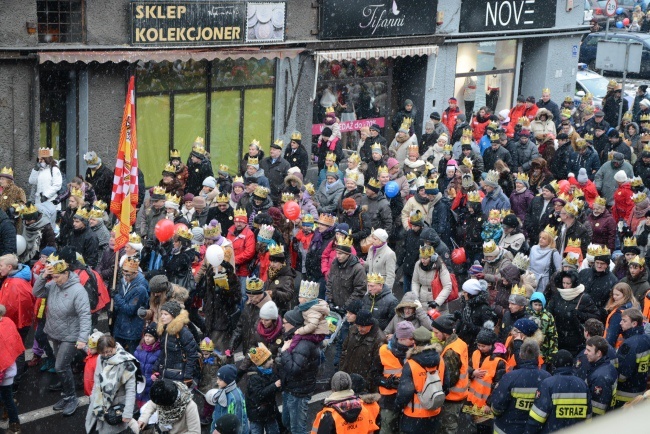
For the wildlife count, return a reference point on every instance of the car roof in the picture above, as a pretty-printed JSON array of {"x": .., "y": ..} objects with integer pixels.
[
  {"x": 627, "y": 35},
  {"x": 584, "y": 74}
]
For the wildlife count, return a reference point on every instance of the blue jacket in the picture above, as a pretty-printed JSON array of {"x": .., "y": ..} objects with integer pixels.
[
  {"x": 633, "y": 359},
  {"x": 236, "y": 405},
  {"x": 602, "y": 385},
  {"x": 513, "y": 397},
  {"x": 561, "y": 401},
  {"x": 582, "y": 367},
  {"x": 127, "y": 300},
  {"x": 484, "y": 143},
  {"x": 495, "y": 200},
  {"x": 147, "y": 361},
  {"x": 589, "y": 161}
]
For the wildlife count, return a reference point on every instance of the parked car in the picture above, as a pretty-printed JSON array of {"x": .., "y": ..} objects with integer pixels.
[
  {"x": 598, "y": 8},
  {"x": 588, "y": 12},
  {"x": 589, "y": 47},
  {"x": 588, "y": 81}
]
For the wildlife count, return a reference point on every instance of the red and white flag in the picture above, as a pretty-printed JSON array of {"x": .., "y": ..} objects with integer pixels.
[{"x": 124, "y": 198}]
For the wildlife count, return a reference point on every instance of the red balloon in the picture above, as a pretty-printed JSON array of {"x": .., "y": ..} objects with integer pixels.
[
  {"x": 291, "y": 210},
  {"x": 458, "y": 256},
  {"x": 164, "y": 230},
  {"x": 564, "y": 186},
  {"x": 626, "y": 21}
]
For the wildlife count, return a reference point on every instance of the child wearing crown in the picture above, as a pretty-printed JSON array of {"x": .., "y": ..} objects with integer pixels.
[
  {"x": 170, "y": 182},
  {"x": 314, "y": 310},
  {"x": 492, "y": 229},
  {"x": 180, "y": 168}
]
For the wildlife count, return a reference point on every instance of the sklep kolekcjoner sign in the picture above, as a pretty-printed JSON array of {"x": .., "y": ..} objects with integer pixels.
[{"x": 343, "y": 19}]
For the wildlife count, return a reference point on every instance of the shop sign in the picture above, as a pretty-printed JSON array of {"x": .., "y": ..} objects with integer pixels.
[
  {"x": 498, "y": 15},
  {"x": 349, "y": 126},
  {"x": 206, "y": 22},
  {"x": 343, "y": 19}
]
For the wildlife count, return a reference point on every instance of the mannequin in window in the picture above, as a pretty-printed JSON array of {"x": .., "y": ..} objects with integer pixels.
[
  {"x": 469, "y": 93},
  {"x": 492, "y": 85}
]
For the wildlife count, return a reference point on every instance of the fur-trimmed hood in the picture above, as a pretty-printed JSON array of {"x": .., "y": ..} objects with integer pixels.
[
  {"x": 538, "y": 336},
  {"x": 369, "y": 398},
  {"x": 420, "y": 349},
  {"x": 179, "y": 294},
  {"x": 177, "y": 324}
]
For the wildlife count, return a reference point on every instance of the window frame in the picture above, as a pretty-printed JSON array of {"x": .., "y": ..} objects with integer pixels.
[{"x": 82, "y": 24}]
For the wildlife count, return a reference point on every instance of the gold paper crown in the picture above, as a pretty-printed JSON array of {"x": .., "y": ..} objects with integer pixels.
[
  {"x": 56, "y": 265},
  {"x": 406, "y": 124},
  {"x": 550, "y": 230},
  {"x": 588, "y": 137},
  {"x": 465, "y": 140},
  {"x": 159, "y": 190},
  {"x": 333, "y": 169},
  {"x": 354, "y": 176},
  {"x": 554, "y": 185},
  {"x": 240, "y": 212},
  {"x": 134, "y": 238},
  {"x": 199, "y": 145},
  {"x": 260, "y": 191},
  {"x": 518, "y": 290},
  {"x": 600, "y": 201},
  {"x": 288, "y": 197},
  {"x": 355, "y": 158},
  {"x": 568, "y": 98},
  {"x": 489, "y": 247},
  {"x": 376, "y": 278},
  {"x": 566, "y": 113},
  {"x": 309, "y": 187},
  {"x": 253, "y": 161},
  {"x": 331, "y": 156},
  {"x": 467, "y": 162},
  {"x": 346, "y": 241},
  {"x": 253, "y": 283},
  {"x": 223, "y": 168},
  {"x": 415, "y": 216},
  {"x": 523, "y": 121},
  {"x": 307, "y": 218},
  {"x": 29, "y": 209},
  {"x": 473, "y": 196},
  {"x": 639, "y": 197},
  {"x": 381, "y": 170},
  {"x": 8, "y": 171},
  {"x": 132, "y": 263},
  {"x": 636, "y": 181},
  {"x": 646, "y": 147},
  {"x": 426, "y": 251},
  {"x": 296, "y": 135},
  {"x": 629, "y": 242},
  {"x": 279, "y": 142},
  {"x": 572, "y": 209},
  {"x": 374, "y": 183},
  {"x": 276, "y": 250},
  {"x": 222, "y": 198},
  {"x": 493, "y": 125},
  {"x": 492, "y": 176},
  {"x": 591, "y": 249},
  {"x": 329, "y": 110},
  {"x": 169, "y": 168},
  {"x": 45, "y": 152},
  {"x": 612, "y": 83},
  {"x": 572, "y": 258},
  {"x": 467, "y": 132},
  {"x": 565, "y": 197},
  {"x": 96, "y": 214},
  {"x": 638, "y": 261},
  {"x": 184, "y": 233},
  {"x": 644, "y": 118},
  {"x": 521, "y": 261},
  {"x": 431, "y": 184},
  {"x": 574, "y": 242},
  {"x": 206, "y": 345},
  {"x": 82, "y": 213},
  {"x": 588, "y": 97},
  {"x": 255, "y": 143},
  {"x": 100, "y": 204},
  {"x": 175, "y": 153},
  {"x": 627, "y": 116},
  {"x": 447, "y": 149},
  {"x": 19, "y": 208},
  {"x": 505, "y": 212},
  {"x": 266, "y": 232},
  {"x": 376, "y": 147},
  {"x": 239, "y": 179},
  {"x": 578, "y": 193},
  {"x": 171, "y": 197},
  {"x": 520, "y": 176},
  {"x": 495, "y": 137},
  {"x": 210, "y": 231},
  {"x": 546, "y": 90},
  {"x": 327, "y": 219},
  {"x": 259, "y": 355},
  {"x": 494, "y": 214},
  {"x": 413, "y": 147},
  {"x": 602, "y": 250},
  {"x": 76, "y": 192}
]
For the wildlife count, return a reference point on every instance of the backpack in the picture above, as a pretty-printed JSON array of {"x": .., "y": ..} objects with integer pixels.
[
  {"x": 432, "y": 397},
  {"x": 90, "y": 285}
]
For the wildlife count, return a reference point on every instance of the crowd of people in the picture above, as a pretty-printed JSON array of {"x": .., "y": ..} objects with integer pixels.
[{"x": 490, "y": 271}]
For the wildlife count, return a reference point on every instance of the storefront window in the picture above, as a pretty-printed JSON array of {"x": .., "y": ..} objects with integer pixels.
[
  {"x": 173, "y": 109},
  {"x": 358, "y": 90},
  {"x": 485, "y": 73}
]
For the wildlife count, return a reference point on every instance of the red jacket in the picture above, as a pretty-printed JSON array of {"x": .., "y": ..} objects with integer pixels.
[
  {"x": 10, "y": 342},
  {"x": 515, "y": 113},
  {"x": 102, "y": 290},
  {"x": 623, "y": 204},
  {"x": 304, "y": 239},
  {"x": 89, "y": 373},
  {"x": 588, "y": 188},
  {"x": 16, "y": 295},
  {"x": 479, "y": 127},
  {"x": 244, "y": 247},
  {"x": 531, "y": 112},
  {"x": 449, "y": 118}
]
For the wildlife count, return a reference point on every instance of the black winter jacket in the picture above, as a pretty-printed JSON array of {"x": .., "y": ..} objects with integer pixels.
[
  {"x": 260, "y": 396},
  {"x": 314, "y": 272},
  {"x": 298, "y": 368},
  {"x": 7, "y": 234},
  {"x": 598, "y": 286},
  {"x": 569, "y": 319},
  {"x": 197, "y": 172},
  {"x": 411, "y": 252},
  {"x": 299, "y": 158},
  {"x": 85, "y": 243},
  {"x": 179, "y": 352},
  {"x": 102, "y": 182},
  {"x": 225, "y": 219},
  {"x": 381, "y": 306},
  {"x": 220, "y": 304},
  {"x": 472, "y": 317}
]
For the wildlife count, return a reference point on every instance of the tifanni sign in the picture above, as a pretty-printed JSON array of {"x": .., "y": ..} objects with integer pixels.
[{"x": 343, "y": 19}]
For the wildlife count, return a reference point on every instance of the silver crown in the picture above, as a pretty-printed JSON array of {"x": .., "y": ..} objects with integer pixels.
[{"x": 521, "y": 261}]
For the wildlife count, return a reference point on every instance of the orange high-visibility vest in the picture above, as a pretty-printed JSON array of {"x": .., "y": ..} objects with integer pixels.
[
  {"x": 458, "y": 391},
  {"x": 619, "y": 339},
  {"x": 392, "y": 366},
  {"x": 511, "y": 362},
  {"x": 415, "y": 408},
  {"x": 481, "y": 388},
  {"x": 364, "y": 424},
  {"x": 373, "y": 408}
]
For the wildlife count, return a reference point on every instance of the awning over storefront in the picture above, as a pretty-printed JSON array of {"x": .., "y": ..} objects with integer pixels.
[
  {"x": 375, "y": 53},
  {"x": 133, "y": 56}
]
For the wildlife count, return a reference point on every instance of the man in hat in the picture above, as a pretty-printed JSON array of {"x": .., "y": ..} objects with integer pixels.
[
  {"x": 494, "y": 198},
  {"x": 450, "y": 114},
  {"x": 459, "y": 129},
  {"x": 246, "y": 330},
  {"x": 410, "y": 113},
  {"x": 597, "y": 120},
  {"x": 605, "y": 179},
  {"x": 598, "y": 280},
  {"x": 255, "y": 173},
  {"x": 83, "y": 239},
  {"x": 560, "y": 161},
  {"x": 222, "y": 212},
  {"x": 526, "y": 151},
  {"x": 99, "y": 176},
  {"x": 347, "y": 278},
  {"x": 379, "y": 300},
  {"x": 612, "y": 105},
  {"x": 378, "y": 206},
  {"x": 243, "y": 243},
  {"x": 438, "y": 126},
  {"x": 329, "y": 192},
  {"x": 296, "y": 154},
  {"x": 585, "y": 157},
  {"x": 637, "y": 278},
  {"x": 198, "y": 167},
  {"x": 360, "y": 352},
  {"x": 572, "y": 229},
  {"x": 200, "y": 211},
  {"x": 539, "y": 212},
  {"x": 161, "y": 291},
  {"x": 495, "y": 152},
  {"x": 130, "y": 295},
  {"x": 616, "y": 144},
  {"x": 275, "y": 168},
  {"x": 374, "y": 137},
  {"x": 153, "y": 215},
  {"x": 517, "y": 303},
  {"x": 280, "y": 281},
  {"x": 10, "y": 193},
  {"x": 547, "y": 103}
]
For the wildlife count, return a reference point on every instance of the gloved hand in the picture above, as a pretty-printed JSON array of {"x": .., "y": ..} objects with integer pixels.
[
  {"x": 142, "y": 312},
  {"x": 388, "y": 382},
  {"x": 432, "y": 304},
  {"x": 149, "y": 244},
  {"x": 43, "y": 198},
  {"x": 457, "y": 315}
]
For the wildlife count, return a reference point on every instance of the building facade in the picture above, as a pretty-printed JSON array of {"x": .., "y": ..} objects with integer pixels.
[{"x": 234, "y": 71}]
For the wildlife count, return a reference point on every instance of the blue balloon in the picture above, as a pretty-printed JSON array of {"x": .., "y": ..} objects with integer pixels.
[
  {"x": 619, "y": 24},
  {"x": 620, "y": 11},
  {"x": 391, "y": 189}
]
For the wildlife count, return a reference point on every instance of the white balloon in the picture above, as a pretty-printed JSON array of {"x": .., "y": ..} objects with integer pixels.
[
  {"x": 214, "y": 255},
  {"x": 21, "y": 244}
]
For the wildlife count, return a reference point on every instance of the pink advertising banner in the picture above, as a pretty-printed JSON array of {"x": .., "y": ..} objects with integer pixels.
[{"x": 348, "y": 126}]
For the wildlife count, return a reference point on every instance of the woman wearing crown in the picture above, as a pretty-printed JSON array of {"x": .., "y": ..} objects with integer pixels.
[
  {"x": 170, "y": 182},
  {"x": 75, "y": 202},
  {"x": 46, "y": 176},
  {"x": 10, "y": 193},
  {"x": 544, "y": 257}
]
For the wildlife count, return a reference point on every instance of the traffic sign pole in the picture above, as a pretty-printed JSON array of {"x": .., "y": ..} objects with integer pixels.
[{"x": 610, "y": 10}]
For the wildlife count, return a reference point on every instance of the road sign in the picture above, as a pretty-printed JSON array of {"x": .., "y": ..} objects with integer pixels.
[{"x": 610, "y": 8}]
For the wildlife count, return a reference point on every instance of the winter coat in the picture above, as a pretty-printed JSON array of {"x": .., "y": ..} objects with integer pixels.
[
  {"x": 588, "y": 188},
  {"x": 243, "y": 165},
  {"x": 189, "y": 421},
  {"x": 86, "y": 244},
  {"x": 298, "y": 158},
  {"x": 360, "y": 354},
  {"x": 611, "y": 107},
  {"x": 282, "y": 288},
  {"x": 539, "y": 128},
  {"x": 490, "y": 156},
  {"x": 411, "y": 252},
  {"x": 382, "y": 260},
  {"x": 16, "y": 295},
  {"x": 492, "y": 270},
  {"x": 315, "y": 253},
  {"x": 260, "y": 396},
  {"x": 540, "y": 264},
  {"x": 598, "y": 286},
  {"x": 559, "y": 165},
  {"x": 346, "y": 282},
  {"x": 381, "y": 306},
  {"x": 546, "y": 323},
  {"x": 7, "y": 235},
  {"x": 235, "y": 405},
  {"x": 474, "y": 315},
  {"x": 128, "y": 298},
  {"x": 147, "y": 361},
  {"x": 298, "y": 368},
  {"x": 535, "y": 221},
  {"x": 524, "y": 154},
  {"x": 225, "y": 219},
  {"x": 640, "y": 285},
  {"x": 468, "y": 233},
  {"x": 48, "y": 182},
  {"x": 328, "y": 198},
  {"x": 603, "y": 229},
  {"x": 623, "y": 204},
  {"x": 576, "y": 231},
  {"x": 418, "y": 318},
  {"x": 275, "y": 172},
  {"x": 197, "y": 172},
  {"x": 101, "y": 178},
  {"x": 495, "y": 200},
  {"x": 631, "y": 375},
  {"x": 220, "y": 304},
  {"x": 179, "y": 352},
  {"x": 588, "y": 161},
  {"x": 152, "y": 217},
  {"x": 570, "y": 316},
  {"x": 329, "y": 256},
  {"x": 551, "y": 106},
  {"x": 479, "y": 125},
  {"x": 449, "y": 116},
  {"x": 642, "y": 238},
  {"x": 605, "y": 182},
  {"x": 245, "y": 332},
  {"x": 520, "y": 202},
  {"x": 421, "y": 284},
  {"x": 380, "y": 213},
  {"x": 156, "y": 300},
  {"x": 359, "y": 224},
  {"x": 68, "y": 309},
  {"x": 243, "y": 245},
  {"x": 642, "y": 171},
  {"x": 357, "y": 194}
]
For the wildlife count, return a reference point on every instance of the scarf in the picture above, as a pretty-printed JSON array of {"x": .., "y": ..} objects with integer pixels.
[
  {"x": 307, "y": 305},
  {"x": 375, "y": 248},
  {"x": 641, "y": 208},
  {"x": 236, "y": 197},
  {"x": 569, "y": 294},
  {"x": 115, "y": 372},
  {"x": 150, "y": 348},
  {"x": 221, "y": 397},
  {"x": 33, "y": 235},
  {"x": 271, "y": 333},
  {"x": 427, "y": 267},
  {"x": 273, "y": 273},
  {"x": 318, "y": 239},
  {"x": 168, "y": 415},
  {"x": 421, "y": 200},
  {"x": 265, "y": 371}
]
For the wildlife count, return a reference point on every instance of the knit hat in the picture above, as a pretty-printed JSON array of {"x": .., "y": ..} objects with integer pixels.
[
  {"x": 429, "y": 125},
  {"x": 392, "y": 162},
  {"x": 404, "y": 330},
  {"x": 228, "y": 424},
  {"x": 188, "y": 197},
  {"x": 294, "y": 317},
  {"x": 349, "y": 203},
  {"x": 486, "y": 337},
  {"x": 159, "y": 283},
  {"x": 341, "y": 381},
  {"x": 199, "y": 202},
  {"x": 198, "y": 237},
  {"x": 511, "y": 221},
  {"x": 618, "y": 157},
  {"x": 354, "y": 306},
  {"x": 472, "y": 287},
  {"x": 445, "y": 323},
  {"x": 461, "y": 117},
  {"x": 364, "y": 318},
  {"x": 47, "y": 251},
  {"x": 620, "y": 176},
  {"x": 380, "y": 234},
  {"x": 210, "y": 182},
  {"x": 422, "y": 336},
  {"x": 227, "y": 373},
  {"x": 475, "y": 269},
  {"x": 172, "y": 307},
  {"x": 582, "y": 176},
  {"x": 563, "y": 359},
  {"x": 435, "y": 116},
  {"x": 269, "y": 311},
  {"x": 526, "y": 326},
  {"x": 163, "y": 392},
  {"x": 359, "y": 384},
  {"x": 510, "y": 273},
  {"x": 342, "y": 228},
  {"x": 151, "y": 329}
]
